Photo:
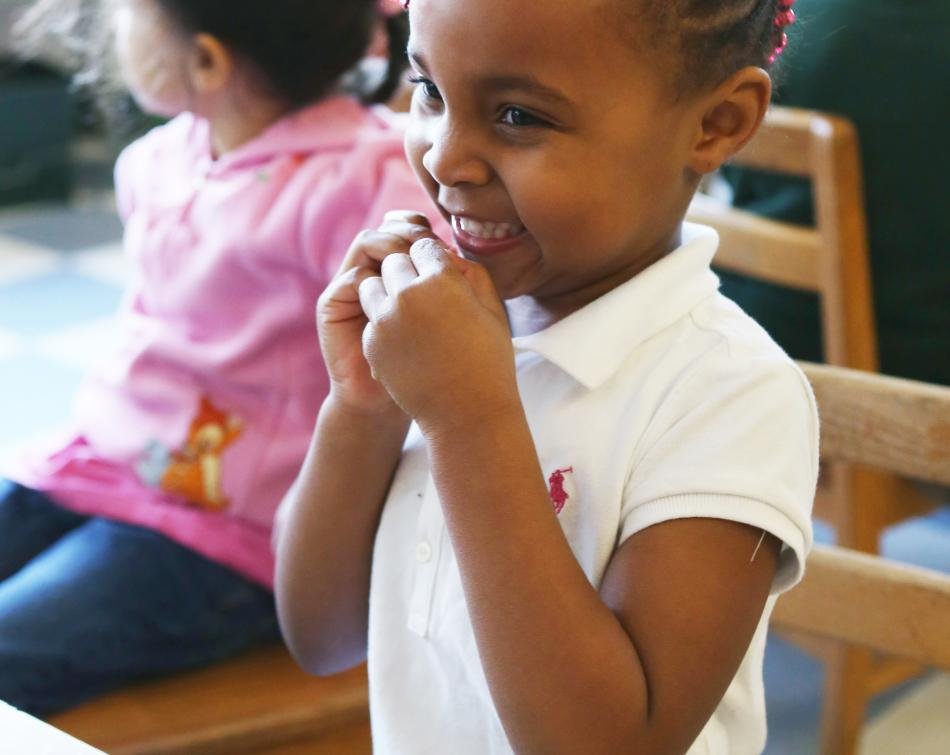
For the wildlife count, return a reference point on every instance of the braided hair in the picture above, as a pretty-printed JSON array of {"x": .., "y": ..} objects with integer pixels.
[{"x": 709, "y": 39}]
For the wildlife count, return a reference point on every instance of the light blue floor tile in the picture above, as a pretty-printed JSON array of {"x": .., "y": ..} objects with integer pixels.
[
  {"x": 35, "y": 394},
  {"x": 43, "y": 304},
  {"x": 793, "y": 682}
]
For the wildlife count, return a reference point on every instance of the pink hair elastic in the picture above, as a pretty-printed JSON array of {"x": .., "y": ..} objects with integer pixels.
[
  {"x": 389, "y": 8},
  {"x": 784, "y": 18}
]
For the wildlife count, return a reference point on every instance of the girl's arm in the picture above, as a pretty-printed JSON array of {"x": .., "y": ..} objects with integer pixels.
[
  {"x": 329, "y": 518},
  {"x": 325, "y": 542},
  {"x": 640, "y": 666}
]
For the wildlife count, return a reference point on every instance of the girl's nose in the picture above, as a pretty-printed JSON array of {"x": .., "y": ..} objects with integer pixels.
[{"x": 452, "y": 158}]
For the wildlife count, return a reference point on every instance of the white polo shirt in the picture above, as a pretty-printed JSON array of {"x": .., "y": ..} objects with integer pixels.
[{"x": 658, "y": 401}]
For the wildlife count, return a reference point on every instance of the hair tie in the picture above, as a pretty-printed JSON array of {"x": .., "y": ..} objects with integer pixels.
[
  {"x": 390, "y": 8},
  {"x": 784, "y": 18}
]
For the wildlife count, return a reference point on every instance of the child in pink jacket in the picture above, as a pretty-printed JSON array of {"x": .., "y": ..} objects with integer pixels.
[{"x": 140, "y": 543}]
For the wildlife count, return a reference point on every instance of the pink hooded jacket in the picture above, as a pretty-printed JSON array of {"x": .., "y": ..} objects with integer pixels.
[{"x": 198, "y": 424}]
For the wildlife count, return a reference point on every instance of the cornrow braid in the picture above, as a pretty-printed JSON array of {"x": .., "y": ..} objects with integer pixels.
[{"x": 708, "y": 40}]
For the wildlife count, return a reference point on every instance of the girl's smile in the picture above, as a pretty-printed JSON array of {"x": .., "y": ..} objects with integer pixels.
[
  {"x": 564, "y": 174},
  {"x": 486, "y": 237}
]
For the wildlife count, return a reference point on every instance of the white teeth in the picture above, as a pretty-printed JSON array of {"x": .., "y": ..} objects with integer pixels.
[{"x": 485, "y": 229}]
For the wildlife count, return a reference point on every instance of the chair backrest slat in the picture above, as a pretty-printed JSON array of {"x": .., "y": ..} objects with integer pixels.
[
  {"x": 896, "y": 425},
  {"x": 900, "y": 427},
  {"x": 866, "y": 600},
  {"x": 784, "y": 144},
  {"x": 761, "y": 248},
  {"x": 830, "y": 259}
]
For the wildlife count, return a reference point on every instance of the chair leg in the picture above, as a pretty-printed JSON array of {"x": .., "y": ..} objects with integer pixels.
[
  {"x": 848, "y": 670},
  {"x": 862, "y": 498},
  {"x": 847, "y": 676}
]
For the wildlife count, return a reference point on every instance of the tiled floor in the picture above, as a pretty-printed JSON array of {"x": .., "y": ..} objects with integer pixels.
[{"x": 60, "y": 279}]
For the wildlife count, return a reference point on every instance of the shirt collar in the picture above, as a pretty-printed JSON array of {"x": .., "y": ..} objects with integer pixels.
[{"x": 592, "y": 343}]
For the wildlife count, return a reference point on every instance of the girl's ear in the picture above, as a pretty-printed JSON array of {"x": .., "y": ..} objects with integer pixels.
[
  {"x": 729, "y": 117},
  {"x": 211, "y": 64}
]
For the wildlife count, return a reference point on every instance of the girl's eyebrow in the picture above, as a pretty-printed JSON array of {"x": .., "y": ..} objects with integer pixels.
[
  {"x": 416, "y": 58},
  {"x": 525, "y": 83}
]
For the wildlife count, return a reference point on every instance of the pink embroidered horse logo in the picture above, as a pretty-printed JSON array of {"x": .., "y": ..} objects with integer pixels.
[{"x": 556, "y": 489}]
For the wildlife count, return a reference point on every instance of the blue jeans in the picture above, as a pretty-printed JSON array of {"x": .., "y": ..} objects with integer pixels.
[{"x": 88, "y": 604}]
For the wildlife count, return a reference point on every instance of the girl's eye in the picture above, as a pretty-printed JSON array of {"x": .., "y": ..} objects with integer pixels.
[
  {"x": 520, "y": 118},
  {"x": 429, "y": 89}
]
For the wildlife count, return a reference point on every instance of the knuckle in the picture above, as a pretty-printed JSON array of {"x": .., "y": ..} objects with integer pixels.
[
  {"x": 409, "y": 216},
  {"x": 393, "y": 260},
  {"x": 397, "y": 214},
  {"x": 424, "y": 244},
  {"x": 419, "y": 231},
  {"x": 369, "y": 341},
  {"x": 363, "y": 285},
  {"x": 364, "y": 237},
  {"x": 423, "y": 249},
  {"x": 332, "y": 289}
]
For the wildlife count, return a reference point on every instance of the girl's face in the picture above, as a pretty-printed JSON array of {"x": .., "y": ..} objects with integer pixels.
[
  {"x": 557, "y": 154},
  {"x": 152, "y": 56}
]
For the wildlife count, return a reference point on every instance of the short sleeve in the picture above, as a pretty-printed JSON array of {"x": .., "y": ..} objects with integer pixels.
[{"x": 737, "y": 440}]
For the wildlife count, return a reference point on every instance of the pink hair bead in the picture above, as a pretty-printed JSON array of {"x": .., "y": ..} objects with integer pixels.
[
  {"x": 779, "y": 49},
  {"x": 389, "y": 8},
  {"x": 784, "y": 18}
]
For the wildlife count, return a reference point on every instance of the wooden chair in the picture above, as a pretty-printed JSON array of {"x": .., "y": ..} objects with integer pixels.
[
  {"x": 260, "y": 702},
  {"x": 831, "y": 260},
  {"x": 902, "y": 427}
]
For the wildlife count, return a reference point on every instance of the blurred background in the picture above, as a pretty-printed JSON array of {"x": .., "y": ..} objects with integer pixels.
[{"x": 61, "y": 278}]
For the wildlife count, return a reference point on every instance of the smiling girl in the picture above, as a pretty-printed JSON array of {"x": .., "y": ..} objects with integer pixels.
[{"x": 558, "y": 479}]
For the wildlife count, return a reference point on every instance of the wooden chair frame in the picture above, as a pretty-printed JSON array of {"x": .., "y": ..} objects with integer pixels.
[
  {"x": 260, "y": 702},
  {"x": 901, "y": 427},
  {"x": 831, "y": 260}
]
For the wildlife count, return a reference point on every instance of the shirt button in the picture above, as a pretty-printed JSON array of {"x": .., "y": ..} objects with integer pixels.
[{"x": 423, "y": 552}]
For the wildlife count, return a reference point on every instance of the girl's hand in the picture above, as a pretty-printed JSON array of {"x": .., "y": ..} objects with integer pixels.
[
  {"x": 340, "y": 318},
  {"x": 438, "y": 338}
]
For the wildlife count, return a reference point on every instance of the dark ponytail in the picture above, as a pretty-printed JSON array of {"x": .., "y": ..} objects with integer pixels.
[
  {"x": 397, "y": 35},
  {"x": 302, "y": 48}
]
